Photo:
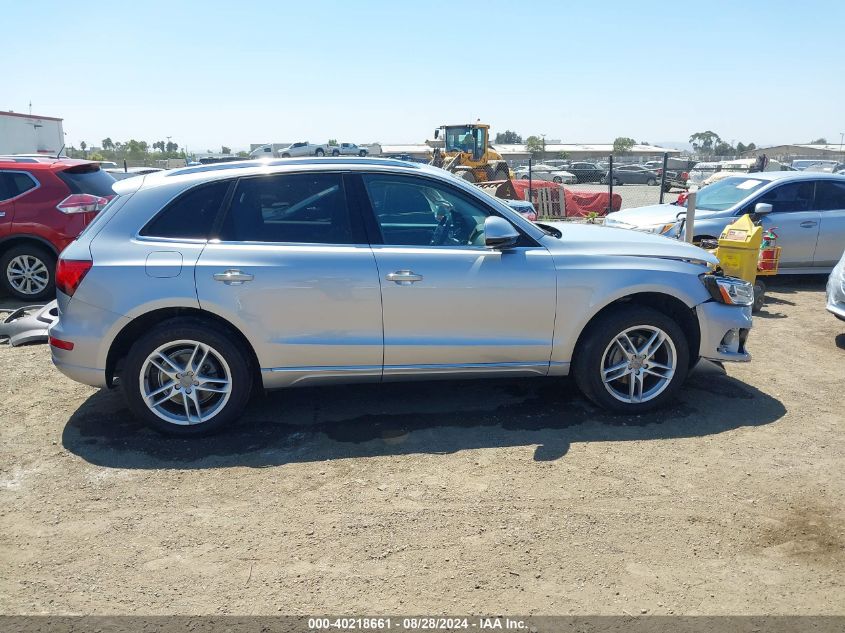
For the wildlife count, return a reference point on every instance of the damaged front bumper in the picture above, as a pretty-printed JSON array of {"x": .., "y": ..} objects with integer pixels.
[{"x": 724, "y": 331}]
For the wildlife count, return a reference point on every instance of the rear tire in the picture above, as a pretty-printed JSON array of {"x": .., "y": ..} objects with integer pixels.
[
  {"x": 203, "y": 371},
  {"x": 319, "y": 152},
  {"x": 604, "y": 371},
  {"x": 28, "y": 272},
  {"x": 335, "y": 152},
  {"x": 285, "y": 155},
  {"x": 759, "y": 295}
]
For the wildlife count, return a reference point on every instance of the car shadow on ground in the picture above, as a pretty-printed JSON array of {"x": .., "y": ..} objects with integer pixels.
[{"x": 338, "y": 422}]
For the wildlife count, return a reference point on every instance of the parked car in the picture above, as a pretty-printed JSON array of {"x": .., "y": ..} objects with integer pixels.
[
  {"x": 804, "y": 163},
  {"x": 586, "y": 172},
  {"x": 303, "y": 148},
  {"x": 836, "y": 290},
  {"x": 194, "y": 284},
  {"x": 347, "y": 149},
  {"x": 44, "y": 204},
  {"x": 525, "y": 208},
  {"x": 632, "y": 175},
  {"x": 546, "y": 172},
  {"x": 730, "y": 168},
  {"x": 701, "y": 172},
  {"x": 807, "y": 213}
]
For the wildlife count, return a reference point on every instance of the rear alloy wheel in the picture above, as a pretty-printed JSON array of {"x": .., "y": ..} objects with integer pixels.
[
  {"x": 186, "y": 378},
  {"x": 632, "y": 360},
  {"x": 28, "y": 273}
]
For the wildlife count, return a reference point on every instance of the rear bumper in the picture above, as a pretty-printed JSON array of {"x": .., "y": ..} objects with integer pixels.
[
  {"x": 724, "y": 330},
  {"x": 91, "y": 330}
]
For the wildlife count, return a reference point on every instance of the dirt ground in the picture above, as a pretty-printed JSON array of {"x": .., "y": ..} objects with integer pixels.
[{"x": 465, "y": 497}]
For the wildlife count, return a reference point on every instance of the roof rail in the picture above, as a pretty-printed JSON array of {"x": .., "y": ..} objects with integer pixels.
[{"x": 337, "y": 160}]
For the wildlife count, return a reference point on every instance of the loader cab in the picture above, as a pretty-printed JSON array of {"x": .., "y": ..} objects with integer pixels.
[{"x": 467, "y": 139}]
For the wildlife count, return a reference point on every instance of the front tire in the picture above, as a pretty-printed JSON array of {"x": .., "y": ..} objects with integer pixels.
[
  {"x": 651, "y": 182},
  {"x": 186, "y": 378},
  {"x": 27, "y": 272},
  {"x": 632, "y": 360},
  {"x": 335, "y": 152},
  {"x": 319, "y": 152}
]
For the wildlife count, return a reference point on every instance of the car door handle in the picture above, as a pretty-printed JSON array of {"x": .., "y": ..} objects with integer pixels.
[
  {"x": 404, "y": 277},
  {"x": 233, "y": 277},
  {"x": 808, "y": 224}
]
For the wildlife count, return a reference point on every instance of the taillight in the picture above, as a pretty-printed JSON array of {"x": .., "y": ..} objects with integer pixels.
[
  {"x": 684, "y": 175},
  {"x": 70, "y": 273},
  {"x": 82, "y": 203}
]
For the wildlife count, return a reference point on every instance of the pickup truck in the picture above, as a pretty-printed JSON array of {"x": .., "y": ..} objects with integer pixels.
[
  {"x": 347, "y": 149},
  {"x": 303, "y": 149}
]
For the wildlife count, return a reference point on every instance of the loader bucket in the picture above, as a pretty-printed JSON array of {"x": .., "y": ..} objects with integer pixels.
[{"x": 503, "y": 189}]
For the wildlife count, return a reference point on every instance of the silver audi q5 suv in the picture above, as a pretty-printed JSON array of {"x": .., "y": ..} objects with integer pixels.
[{"x": 194, "y": 286}]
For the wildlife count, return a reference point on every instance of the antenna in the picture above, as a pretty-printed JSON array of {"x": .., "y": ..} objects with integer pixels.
[{"x": 60, "y": 152}]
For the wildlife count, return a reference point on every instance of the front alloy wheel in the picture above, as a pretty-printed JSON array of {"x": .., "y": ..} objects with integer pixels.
[
  {"x": 631, "y": 359},
  {"x": 639, "y": 364}
]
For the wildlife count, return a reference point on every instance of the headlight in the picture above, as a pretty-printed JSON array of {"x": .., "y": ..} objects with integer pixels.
[{"x": 729, "y": 290}]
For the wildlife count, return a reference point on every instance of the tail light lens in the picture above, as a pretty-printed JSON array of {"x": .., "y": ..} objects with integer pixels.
[
  {"x": 70, "y": 273},
  {"x": 82, "y": 203},
  {"x": 59, "y": 343},
  {"x": 684, "y": 175}
]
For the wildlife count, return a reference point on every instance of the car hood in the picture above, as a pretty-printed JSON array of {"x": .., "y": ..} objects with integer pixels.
[
  {"x": 602, "y": 240},
  {"x": 652, "y": 215}
]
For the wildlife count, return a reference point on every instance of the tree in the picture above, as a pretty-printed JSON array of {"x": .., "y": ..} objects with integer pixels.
[
  {"x": 741, "y": 148},
  {"x": 172, "y": 148},
  {"x": 819, "y": 141},
  {"x": 750, "y": 147},
  {"x": 243, "y": 154},
  {"x": 96, "y": 156},
  {"x": 159, "y": 145},
  {"x": 623, "y": 145},
  {"x": 107, "y": 144},
  {"x": 83, "y": 145},
  {"x": 563, "y": 155},
  {"x": 724, "y": 149},
  {"x": 332, "y": 142},
  {"x": 704, "y": 142},
  {"x": 508, "y": 138},
  {"x": 225, "y": 150},
  {"x": 534, "y": 144}
]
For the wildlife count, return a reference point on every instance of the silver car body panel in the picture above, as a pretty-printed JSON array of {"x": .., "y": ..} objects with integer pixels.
[
  {"x": 836, "y": 290},
  {"x": 326, "y": 313}
]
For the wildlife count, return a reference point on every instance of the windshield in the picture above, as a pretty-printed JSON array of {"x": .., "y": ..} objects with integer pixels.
[
  {"x": 462, "y": 138},
  {"x": 726, "y": 193}
]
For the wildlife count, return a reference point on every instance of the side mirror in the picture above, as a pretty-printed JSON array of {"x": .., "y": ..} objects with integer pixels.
[
  {"x": 761, "y": 208},
  {"x": 499, "y": 233},
  {"x": 437, "y": 133}
]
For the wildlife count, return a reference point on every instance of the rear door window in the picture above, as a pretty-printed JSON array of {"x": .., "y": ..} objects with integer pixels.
[
  {"x": 88, "y": 179},
  {"x": 830, "y": 195},
  {"x": 289, "y": 208},
  {"x": 191, "y": 215},
  {"x": 15, "y": 183}
]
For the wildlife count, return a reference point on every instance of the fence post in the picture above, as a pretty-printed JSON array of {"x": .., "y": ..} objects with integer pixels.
[
  {"x": 663, "y": 175},
  {"x": 690, "y": 221},
  {"x": 610, "y": 184},
  {"x": 530, "y": 196}
]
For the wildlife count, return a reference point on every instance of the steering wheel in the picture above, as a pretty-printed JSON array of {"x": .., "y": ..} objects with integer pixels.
[{"x": 441, "y": 231}]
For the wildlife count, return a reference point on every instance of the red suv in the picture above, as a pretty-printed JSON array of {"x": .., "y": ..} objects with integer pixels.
[{"x": 44, "y": 204}]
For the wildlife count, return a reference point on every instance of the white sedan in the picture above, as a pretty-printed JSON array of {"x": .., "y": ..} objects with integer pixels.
[{"x": 549, "y": 173}]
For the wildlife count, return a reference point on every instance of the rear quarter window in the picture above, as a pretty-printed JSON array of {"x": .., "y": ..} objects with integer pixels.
[{"x": 191, "y": 215}]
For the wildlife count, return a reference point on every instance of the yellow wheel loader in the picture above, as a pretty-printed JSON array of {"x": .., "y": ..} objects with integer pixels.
[{"x": 466, "y": 152}]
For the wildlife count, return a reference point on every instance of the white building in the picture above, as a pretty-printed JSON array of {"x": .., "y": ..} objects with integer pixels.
[{"x": 30, "y": 134}]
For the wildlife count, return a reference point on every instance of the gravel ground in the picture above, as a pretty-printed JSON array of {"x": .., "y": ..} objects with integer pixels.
[{"x": 466, "y": 497}]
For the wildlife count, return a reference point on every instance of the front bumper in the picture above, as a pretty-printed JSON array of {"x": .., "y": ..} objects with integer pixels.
[
  {"x": 724, "y": 330},
  {"x": 836, "y": 293}
]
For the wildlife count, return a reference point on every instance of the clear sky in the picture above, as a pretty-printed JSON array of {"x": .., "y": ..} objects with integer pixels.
[{"x": 232, "y": 73}]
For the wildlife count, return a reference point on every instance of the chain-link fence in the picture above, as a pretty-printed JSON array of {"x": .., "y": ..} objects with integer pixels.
[{"x": 594, "y": 188}]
